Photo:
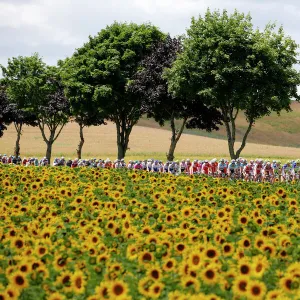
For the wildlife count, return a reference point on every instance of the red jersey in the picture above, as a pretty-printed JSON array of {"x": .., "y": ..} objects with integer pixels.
[{"x": 205, "y": 168}]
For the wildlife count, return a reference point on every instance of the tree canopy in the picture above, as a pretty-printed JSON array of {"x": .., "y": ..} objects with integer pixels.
[
  {"x": 100, "y": 71},
  {"x": 4, "y": 111},
  {"x": 20, "y": 78},
  {"x": 236, "y": 69},
  {"x": 151, "y": 87}
]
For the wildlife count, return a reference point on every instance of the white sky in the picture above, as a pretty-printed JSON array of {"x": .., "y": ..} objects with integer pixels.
[{"x": 54, "y": 28}]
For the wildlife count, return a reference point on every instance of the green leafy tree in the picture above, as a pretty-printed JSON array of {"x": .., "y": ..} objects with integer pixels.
[
  {"x": 36, "y": 90},
  {"x": 53, "y": 109},
  {"x": 102, "y": 69},
  {"x": 236, "y": 69},
  {"x": 84, "y": 112},
  {"x": 20, "y": 78},
  {"x": 150, "y": 85}
]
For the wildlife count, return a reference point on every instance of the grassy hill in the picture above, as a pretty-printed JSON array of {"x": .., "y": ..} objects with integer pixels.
[{"x": 283, "y": 130}]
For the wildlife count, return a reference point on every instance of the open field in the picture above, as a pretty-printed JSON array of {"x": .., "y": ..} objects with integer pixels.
[
  {"x": 270, "y": 130},
  {"x": 145, "y": 142}
]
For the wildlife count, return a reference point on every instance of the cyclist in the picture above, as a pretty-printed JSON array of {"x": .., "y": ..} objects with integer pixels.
[
  {"x": 286, "y": 171},
  {"x": 247, "y": 171},
  {"x": 182, "y": 166},
  {"x": 193, "y": 168},
  {"x": 222, "y": 168},
  {"x": 268, "y": 172},
  {"x": 206, "y": 168},
  {"x": 149, "y": 165},
  {"x": 214, "y": 167},
  {"x": 232, "y": 167},
  {"x": 130, "y": 165},
  {"x": 258, "y": 169},
  {"x": 156, "y": 167}
]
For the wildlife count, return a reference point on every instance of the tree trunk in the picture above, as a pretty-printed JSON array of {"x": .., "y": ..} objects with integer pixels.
[
  {"x": 49, "y": 144},
  {"x": 244, "y": 139},
  {"x": 123, "y": 133},
  {"x": 81, "y": 142},
  {"x": 231, "y": 141},
  {"x": 175, "y": 138},
  {"x": 19, "y": 133},
  {"x": 49, "y": 151}
]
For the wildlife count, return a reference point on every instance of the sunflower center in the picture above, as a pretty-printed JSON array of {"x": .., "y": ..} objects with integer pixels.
[
  {"x": 196, "y": 260},
  {"x": 19, "y": 244},
  {"x": 211, "y": 253},
  {"x": 147, "y": 257},
  {"x": 155, "y": 274},
  {"x": 244, "y": 269},
  {"x": 256, "y": 290},
  {"x": 19, "y": 280},
  {"x": 118, "y": 289},
  {"x": 210, "y": 274},
  {"x": 242, "y": 286},
  {"x": 227, "y": 248},
  {"x": 259, "y": 268},
  {"x": 78, "y": 282}
]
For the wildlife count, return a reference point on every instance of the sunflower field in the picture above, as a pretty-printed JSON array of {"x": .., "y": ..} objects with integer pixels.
[{"x": 117, "y": 234}]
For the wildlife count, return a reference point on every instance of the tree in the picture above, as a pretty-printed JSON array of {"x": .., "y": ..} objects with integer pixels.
[
  {"x": 4, "y": 111},
  {"x": 83, "y": 109},
  {"x": 37, "y": 96},
  {"x": 150, "y": 85},
  {"x": 102, "y": 69},
  {"x": 53, "y": 110},
  {"x": 236, "y": 69},
  {"x": 20, "y": 88}
]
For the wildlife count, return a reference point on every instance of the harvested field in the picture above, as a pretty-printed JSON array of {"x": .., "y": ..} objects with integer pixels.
[{"x": 144, "y": 142}]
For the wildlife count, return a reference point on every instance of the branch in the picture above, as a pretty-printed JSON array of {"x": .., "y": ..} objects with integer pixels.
[
  {"x": 244, "y": 139},
  {"x": 181, "y": 130},
  {"x": 59, "y": 132},
  {"x": 42, "y": 129}
]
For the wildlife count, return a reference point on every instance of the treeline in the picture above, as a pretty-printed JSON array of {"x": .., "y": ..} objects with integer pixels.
[{"x": 222, "y": 67}]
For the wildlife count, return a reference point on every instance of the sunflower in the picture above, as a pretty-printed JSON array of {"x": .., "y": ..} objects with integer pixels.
[
  {"x": 287, "y": 284},
  {"x": 17, "y": 242},
  {"x": 154, "y": 273},
  {"x": 64, "y": 279},
  {"x": 144, "y": 286},
  {"x": 169, "y": 265},
  {"x": 4, "y": 296},
  {"x": 146, "y": 257},
  {"x": 240, "y": 285},
  {"x": 78, "y": 282},
  {"x": 13, "y": 294},
  {"x": 256, "y": 290},
  {"x": 132, "y": 251},
  {"x": 275, "y": 294},
  {"x": 60, "y": 263},
  {"x": 243, "y": 219},
  {"x": 180, "y": 247},
  {"x": 56, "y": 296},
  {"x": 18, "y": 280},
  {"x": 211, "y": 253},
  {"x": 102, "y": 291},
  {"x": 228, "y": 249},
  {"x": 245, "y": 243},
  {"x": 190, "y": 283},
  {"x": 195, "y": 260},
  {"x": 244, "y": 266},
  {"x": 269, "y": 249},
  {"x": 209, "y": 274},
  {"x": 155, "y": 290}
]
